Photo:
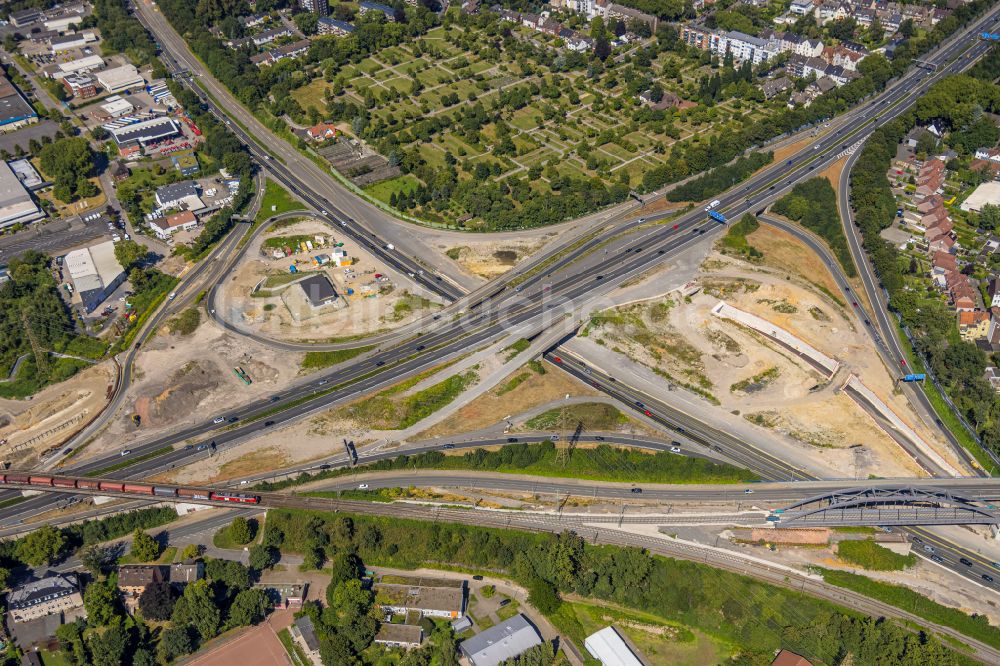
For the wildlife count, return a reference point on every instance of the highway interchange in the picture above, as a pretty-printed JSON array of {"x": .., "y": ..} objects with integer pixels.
[{"x": 549, "y": 288}]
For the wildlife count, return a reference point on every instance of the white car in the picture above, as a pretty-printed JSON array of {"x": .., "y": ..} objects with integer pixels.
[
  {"x": 172, "y": 295},
  {"x": 675, "y": 449},
  {"x": 219, "y": 419},
  {"x": 126, "y": 452},
  {"x": 748, "y": 492},
  {"x": 363, "y": 486}
]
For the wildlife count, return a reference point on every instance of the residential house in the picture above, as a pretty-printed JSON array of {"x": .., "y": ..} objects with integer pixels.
[
  {"x": 329, "y": 26},
  {"x": 801, "y": 7},
  {"x": 775, "y": 87},
  {"x": 165, "y": 227},
  {"x": 268, "y": 36},
  {"x": 404, "y": 636},
  {"x": 119, "y": 171},
  {"x": 831, "y": 11},
  {"x": 57, "y": 593},
  {"x": 993, "y": 377},
  {"x": 973, "y": 325},
  {"x": 133, "y": 579},
  {"x": 367, "y": 7},
  {"x": 182, "y": 573},
  {"x": 991, "y": 154},
  {"x": 322, "y": 132}
]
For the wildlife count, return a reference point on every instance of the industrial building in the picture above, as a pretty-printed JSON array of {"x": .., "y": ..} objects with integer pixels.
[
  {"x": 116, "y": 106},
  {"x": 73, "y": 40},
  {"x": 16, "y": 205},
  {"x": 80, "y": 65},
  {"x": 319, "y": 290},
  {"x": 95, "y": 272},
  {"x": 50, "y": 595},
  {"x": 15, "y": 112},
  {"x": 27, "y": 174},
  {"x": 501, "y": 642},
  {"x": 179, "y": 195},
  {"x": 610, "y": 648},
  {"x": 80, "y": 85},
  {"x": 135, "y": 137},
  {"x": 25, "y": 17},
  {"x": 120, "y": 78}
]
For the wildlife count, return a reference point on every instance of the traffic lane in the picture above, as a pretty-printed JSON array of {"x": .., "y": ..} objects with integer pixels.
[
  {"x": 740, "y": 452},
  {"x": 967, "y": 563}
]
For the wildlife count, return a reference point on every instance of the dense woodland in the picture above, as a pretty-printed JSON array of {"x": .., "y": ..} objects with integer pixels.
[
  {"x": 754, "y": 617},
  {"x": 814, "y": 204},
  {"x": 956, "y": 104}
]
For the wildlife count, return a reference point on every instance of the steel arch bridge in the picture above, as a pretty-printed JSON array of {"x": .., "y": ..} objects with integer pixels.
[{"x": 889, "y": 505}]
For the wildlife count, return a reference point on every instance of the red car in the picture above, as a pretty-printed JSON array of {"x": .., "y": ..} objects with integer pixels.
[
  {"x": 557, "y": 359},
  {"x": 647, "y": 412}
]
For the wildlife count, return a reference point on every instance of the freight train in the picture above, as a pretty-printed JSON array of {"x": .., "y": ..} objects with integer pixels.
[{"x": 46, "y": 481}]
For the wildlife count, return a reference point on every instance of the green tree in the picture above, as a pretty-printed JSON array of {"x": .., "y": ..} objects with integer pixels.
[
  {"x": 192, "y": 551},
  {"x": 306, "y": 22},
  {"x": 130, "y": 254},
  {"x": 109, "y": 647},
  {"x": 240, "y": 530},
  {"x": 144, "y": 547},
  {"x": 196, "y": 608},
  {"x": 41, "y": 547},
  {"x": 989, "y": 217},
  {"x": 4, "y": 578},
  {"x": 101, "y": 601},
  {"x": 174, "y": 642},
  {"x": 157, "y": 601},
  {"x": 68, "y": 162},
  {"x": 97, "y": 559},
  {"x": 248, "y": 607},
  {"x": 262, "y": 557},
  {"x": 230, "y": 573}
]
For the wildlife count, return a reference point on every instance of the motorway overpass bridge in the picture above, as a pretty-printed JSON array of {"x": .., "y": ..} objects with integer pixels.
[{"x": 902, "y": 504}]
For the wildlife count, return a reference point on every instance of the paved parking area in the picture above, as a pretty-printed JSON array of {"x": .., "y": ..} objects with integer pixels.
[{"x": 53, "y": 238}]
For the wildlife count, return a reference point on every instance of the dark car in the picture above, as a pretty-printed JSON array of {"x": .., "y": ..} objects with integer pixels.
[
  {"x": 449, "y": 446},
  {"x": 639, "y": 404},
  {"x": 421, "y": 347},
  {"x": 512, "y": 440},
  {"x": 504, "y": 602},
  {"x": 599, "y": 438},
  {"x": 379, "y": 364},
  {"x": 275, "y": 398},
  {"x": 600, "y": 277},
  {"x": 477, "y": 578},
  {"x": 988, "y": 578},
  {"x": 268, "y": 424},
  {"x": 967, "y": 562},
  {"x": 234, "y": 419},
  {"x": 637, "y": 491}
]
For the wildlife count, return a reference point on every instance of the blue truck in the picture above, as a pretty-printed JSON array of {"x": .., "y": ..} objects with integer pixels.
[
  {"x": 918, "y": 377},
  {"x": 717, "y": 216}
]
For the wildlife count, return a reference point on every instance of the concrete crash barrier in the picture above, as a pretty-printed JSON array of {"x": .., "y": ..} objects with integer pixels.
[
  {"x": 859, "y": 392},
  {"x": 813, "y": 356}
]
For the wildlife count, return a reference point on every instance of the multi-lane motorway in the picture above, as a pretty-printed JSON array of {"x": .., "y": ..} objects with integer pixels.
[
  {"x": 575, "y": 277},
  {"x": 544, "y": 301}
]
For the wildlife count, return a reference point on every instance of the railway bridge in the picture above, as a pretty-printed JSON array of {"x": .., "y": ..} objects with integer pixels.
[{"x": 884, "y": 505}]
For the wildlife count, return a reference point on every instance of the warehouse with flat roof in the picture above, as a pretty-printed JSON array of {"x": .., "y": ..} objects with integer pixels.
[
  {"x": 120, "y": 78},
  {"x": 145, "y": 132},
  {"x": 95, "y": 272},
  {"x": 15, "y": 112},
  {"x": 610, "y": 648},
  {"x": 16, "y": 205},
  {"x": 501, "y": 642}
]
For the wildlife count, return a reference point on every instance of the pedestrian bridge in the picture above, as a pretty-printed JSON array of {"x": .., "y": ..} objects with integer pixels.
[{"x": 888, "y": 505}]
